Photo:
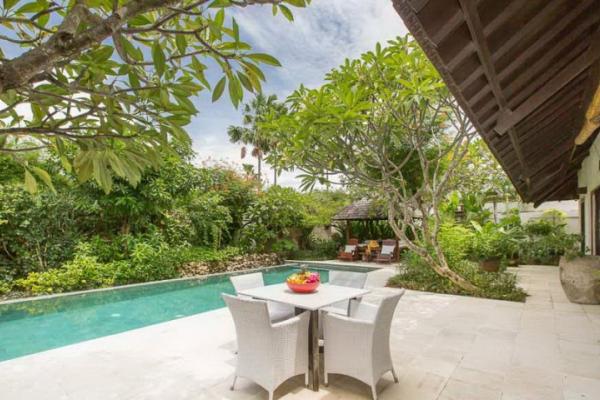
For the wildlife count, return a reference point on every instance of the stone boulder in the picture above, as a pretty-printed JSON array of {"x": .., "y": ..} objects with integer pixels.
[{"x": 580, "y": 279}]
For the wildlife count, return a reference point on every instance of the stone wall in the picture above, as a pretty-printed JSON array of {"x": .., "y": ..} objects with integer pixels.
[{"x": 239, "y": 263}]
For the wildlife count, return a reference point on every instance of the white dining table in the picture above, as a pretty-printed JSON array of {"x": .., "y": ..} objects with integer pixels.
[{"x": 324, "y": 296}]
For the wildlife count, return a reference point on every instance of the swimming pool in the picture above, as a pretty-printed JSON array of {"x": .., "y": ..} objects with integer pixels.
[{"x": 31, "y": 326}]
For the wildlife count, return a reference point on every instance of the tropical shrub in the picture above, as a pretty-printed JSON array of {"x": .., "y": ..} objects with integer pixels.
[
  {"x": 456, "y": 242},
  {"x": 416, "y": 275},
  {"x": 38, "y": 232},
  {"x": 489, "y": 242},
  {"x": 273, "y": 215},
  {"x": 284, "y": 247},
  {"x": 83, "y": 272}
]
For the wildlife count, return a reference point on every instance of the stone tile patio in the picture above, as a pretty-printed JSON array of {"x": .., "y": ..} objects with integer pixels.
[{"x": 444, "y": 347}]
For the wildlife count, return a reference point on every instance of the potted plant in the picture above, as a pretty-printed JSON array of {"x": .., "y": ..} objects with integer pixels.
[{"x": 489, "y": 246}]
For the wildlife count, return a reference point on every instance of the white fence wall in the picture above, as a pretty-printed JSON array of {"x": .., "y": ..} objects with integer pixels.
[{"x": 527, "y": 211}]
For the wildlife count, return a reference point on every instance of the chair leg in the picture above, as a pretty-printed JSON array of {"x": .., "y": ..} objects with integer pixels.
[
  {"x": 325, "y": 379},
  {"x": 270, "y": 395},
  {"x": 394, "y": 375},
  {"x": 233, "y": 383},
  {"x": 374, "y": 392},
  {"x": 306, "y": 379}
]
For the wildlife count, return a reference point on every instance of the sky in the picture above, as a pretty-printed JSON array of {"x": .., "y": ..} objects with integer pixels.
[{"x": 321, "y": 37}]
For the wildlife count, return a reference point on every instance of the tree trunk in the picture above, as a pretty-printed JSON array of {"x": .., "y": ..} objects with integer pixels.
[
  {"x": 259, "y": 167},
  {"x": 437, "y": 263}
]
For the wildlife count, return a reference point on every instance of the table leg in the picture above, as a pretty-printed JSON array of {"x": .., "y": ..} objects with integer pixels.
[{"x": 313, "y": 351}]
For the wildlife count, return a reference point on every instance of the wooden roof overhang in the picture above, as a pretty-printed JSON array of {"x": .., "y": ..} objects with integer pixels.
[{"x": 525, "y": 71}]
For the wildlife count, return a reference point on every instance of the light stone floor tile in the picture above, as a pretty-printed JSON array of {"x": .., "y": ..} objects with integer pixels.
[
  {"x": 458, "y": 390},
  {"x": 444, "y": 348},
  {"x": 579, "y": 388}
]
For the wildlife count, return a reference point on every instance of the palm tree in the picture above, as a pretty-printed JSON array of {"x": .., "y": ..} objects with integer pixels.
[{"x": 250, "y": 133}]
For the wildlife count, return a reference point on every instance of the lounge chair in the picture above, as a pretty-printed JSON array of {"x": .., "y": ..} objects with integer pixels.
[
  {"x": 388, "y": 252},
  {"x": 277, "y": 311},
  {"x": 268, "y": 354},
  {"x": 350, "y": 251},
  {"x": 359, "y": 345}
]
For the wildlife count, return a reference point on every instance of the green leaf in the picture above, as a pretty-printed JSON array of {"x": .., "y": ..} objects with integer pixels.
[
  {"x": 32, "y": 7},
  {"x": 30, "y": 183},
  {"x": 220, "y": 3},
  {"x": 236, "y": 30},
  {"x": 102, "y": 54},
  {"x": 9, "y": 3},
  {"x": 219, "y": 88},
  {"x": 159, "y": 58},
  {"x": 220, "y": 18},
  {"x": 245, "y": 82},
  {"x": 296, "y": 3},
  {"x": 264, "y": 58},
  {"x": 181, "y": 43},
  {"x": 235, "y": 90},
  {"x": 44, "y": 176},
  {"x": 286, "y": 12},
  {"x": 131, "y": 50}
]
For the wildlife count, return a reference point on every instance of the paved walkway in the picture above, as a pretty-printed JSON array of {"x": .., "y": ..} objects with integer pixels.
[{"x": 444, "y": 347}]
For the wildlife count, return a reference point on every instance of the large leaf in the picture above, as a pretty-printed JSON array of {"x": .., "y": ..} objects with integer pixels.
[
  {"x": 219, "y": 88},
  {"x": 265, "y": 58},
  {"x": 158, "y": 57}
]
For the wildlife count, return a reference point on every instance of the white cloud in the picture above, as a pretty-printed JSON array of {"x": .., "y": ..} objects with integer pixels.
[{"x": 320, "y": 38}]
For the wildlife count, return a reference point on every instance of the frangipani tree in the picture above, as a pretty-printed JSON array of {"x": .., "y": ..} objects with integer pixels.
[
  {"x": 105, "y": 85},
  {"x": 388, "y": 123}
]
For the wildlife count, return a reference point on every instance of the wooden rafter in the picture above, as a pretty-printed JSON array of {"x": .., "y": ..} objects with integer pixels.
[
  {"x": 508, "y": 118},
  {"x": 477, "y": 34}
]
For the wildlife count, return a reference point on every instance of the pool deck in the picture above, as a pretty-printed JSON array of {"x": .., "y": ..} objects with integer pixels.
[{"x": 444, "y": 348}]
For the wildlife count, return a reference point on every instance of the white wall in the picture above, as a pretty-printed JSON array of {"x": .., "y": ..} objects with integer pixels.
[
  {"x": 589, "y": 177},
  {"x": 528, "y": 212}
]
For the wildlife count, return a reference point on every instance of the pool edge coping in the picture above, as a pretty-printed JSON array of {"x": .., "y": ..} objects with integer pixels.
[{"x": 78, "y": 292}]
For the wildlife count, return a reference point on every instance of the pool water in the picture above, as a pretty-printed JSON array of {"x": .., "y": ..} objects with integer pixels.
[{"x": 36, "y": 325}]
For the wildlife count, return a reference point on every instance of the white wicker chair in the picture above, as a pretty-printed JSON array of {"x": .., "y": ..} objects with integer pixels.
[
  {"x": 359, "y": 345},
  {"x": 268, "y": 354},
  {"x": 277, "y": 311},
  {"x": 349, "y": 279}
]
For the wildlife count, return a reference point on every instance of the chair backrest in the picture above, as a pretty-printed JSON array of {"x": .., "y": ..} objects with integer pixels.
[
  {"x": 250, "y": 316},
  {"x": 247, "y": 281},
  {"x": 353, "y": 241},
  {"x": 388, "y": 246},
  {"x": 348, "y": 279},
  {"x": 349, "y": 248},
  {"x": 383, "y": 319}
]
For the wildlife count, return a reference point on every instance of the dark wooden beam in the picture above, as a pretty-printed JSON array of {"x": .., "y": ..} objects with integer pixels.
[
  {"x": 418, "y": 5},
  {"x": 508, "y": 118},
  {"x": 551, "y": 190},
  {"x": 415, "y": 26},
  {"x": 499, "y": 19},
  {"x": 477, "y": 34},
  {"x": 538, "y": 23},
  {"x": 448, "y": 27}
]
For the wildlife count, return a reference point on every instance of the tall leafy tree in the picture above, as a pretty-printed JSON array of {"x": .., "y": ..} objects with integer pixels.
[
  {"x": 105, "y": 85},
  {"x": 388, "y": 123},
  {"x": 256, "y": 112}
]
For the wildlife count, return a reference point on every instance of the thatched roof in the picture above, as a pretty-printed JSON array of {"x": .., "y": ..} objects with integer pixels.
[
  {"x": 525, "y": 72},
  {"x": 362, "y": 210}
]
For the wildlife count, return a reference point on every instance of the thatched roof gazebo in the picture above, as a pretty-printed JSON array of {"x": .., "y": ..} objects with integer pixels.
[{"x": 363, "y": 210}]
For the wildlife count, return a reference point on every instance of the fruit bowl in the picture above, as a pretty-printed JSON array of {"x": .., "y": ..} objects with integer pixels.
[{"x": 303, "y": 281}]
